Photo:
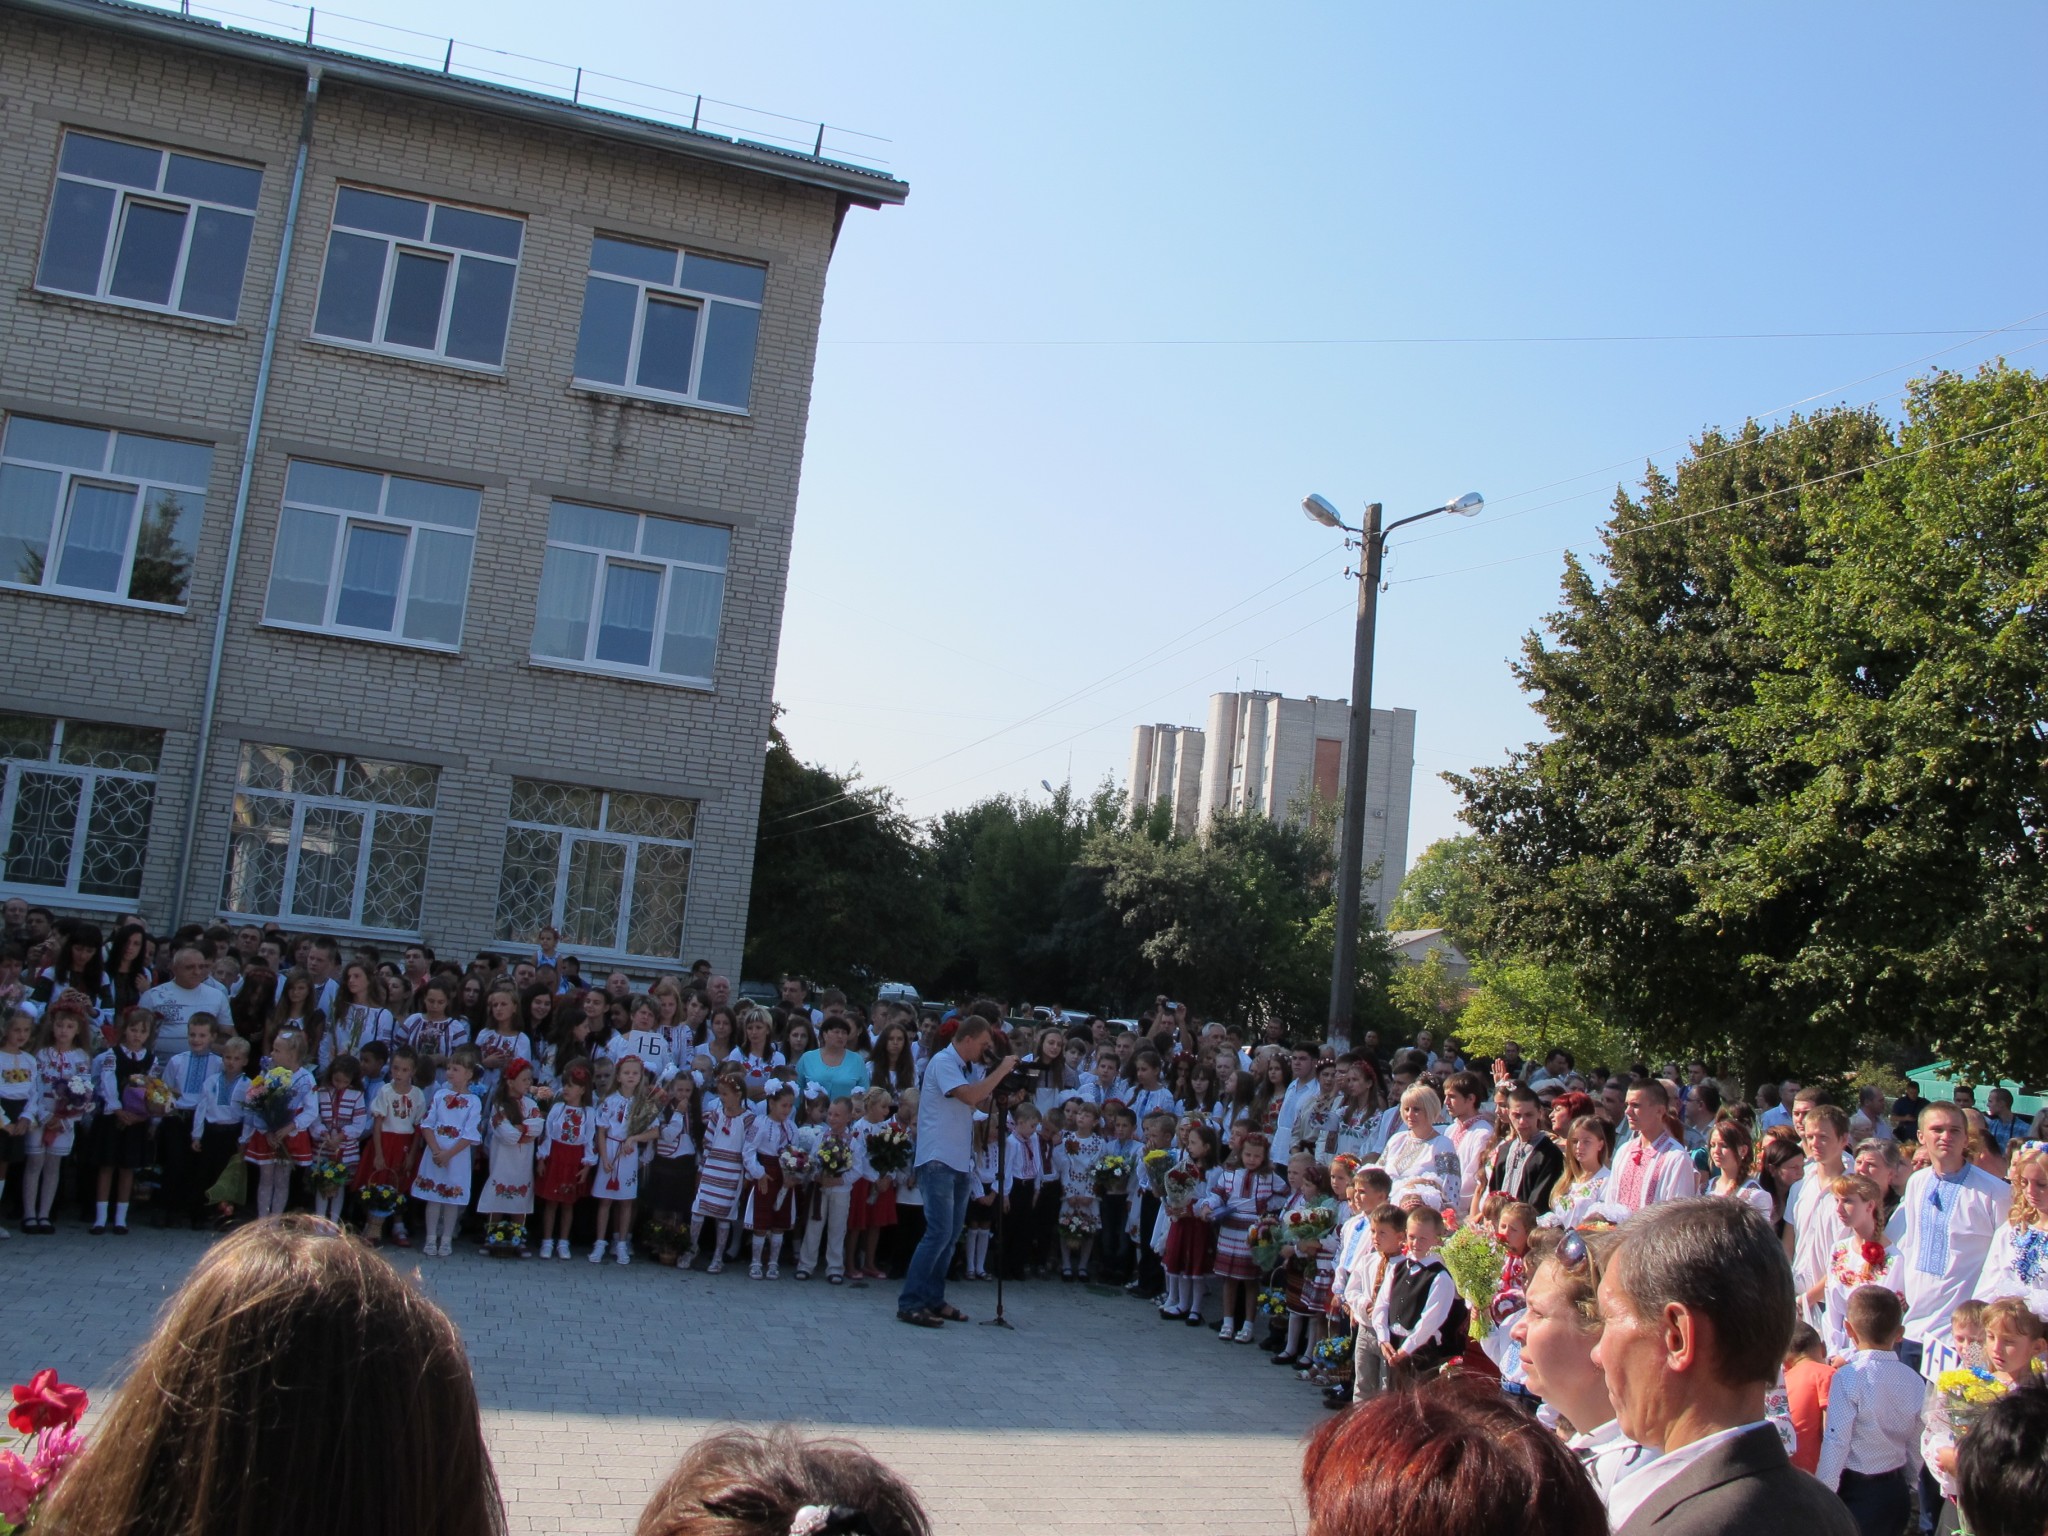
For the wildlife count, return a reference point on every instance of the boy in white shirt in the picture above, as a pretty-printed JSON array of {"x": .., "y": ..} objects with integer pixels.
[{"x": 1873, "y": 1417}]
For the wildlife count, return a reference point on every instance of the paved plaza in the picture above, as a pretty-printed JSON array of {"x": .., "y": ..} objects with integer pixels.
[{"x": 1092, "y": 1417}]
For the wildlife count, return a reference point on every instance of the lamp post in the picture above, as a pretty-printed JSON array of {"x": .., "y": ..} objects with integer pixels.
[{"x": 1372, "y": 538}]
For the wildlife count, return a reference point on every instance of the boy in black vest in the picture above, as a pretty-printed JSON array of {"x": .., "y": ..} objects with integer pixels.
[{"x": 1419, "y": 1317}]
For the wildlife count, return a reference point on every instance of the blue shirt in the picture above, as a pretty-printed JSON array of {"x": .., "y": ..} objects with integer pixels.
[
  {"x": 945, "y": 1124},
  {"x": 842, "y": 1081}
]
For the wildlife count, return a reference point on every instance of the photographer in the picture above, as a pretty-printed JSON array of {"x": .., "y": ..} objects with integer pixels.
[{"x": 954, "y": 1087}]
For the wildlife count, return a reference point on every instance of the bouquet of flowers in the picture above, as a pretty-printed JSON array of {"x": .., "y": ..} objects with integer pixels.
[
  {"x": 380, "y": 1199},
  {"x": 1113, "y": 1173},
  {"x": 664, "y": 1240},
  {"x": 45, "y": 1417},
  {"x": 505, "y": 1235},
  {"x": 543, "y": 1095},
  {"x": 1076, "y": 1227},
  {"x": 1966, "y": 1392},
  {"x": 271, "y": 1097},
  {"x": 890, "y": 1149},
  {"x": 1272, "y": 1302},
  {"x": 834, "y": 1156},
  {"x": 1157, "y": 1161},
  {"x": 330, "y": 1174},
  {"x": 72, "y": 1097},
  {"x": 1183, "y": 1183},
  {"x": 1307, "y": 1224},
  {"x": 135, "y": 1095},
  {"x": 1264, "y": 1239},
  {"x": 1333, "y": 1353},
  {"x": 1474, "y": 1261},
  {"x": 157, "y": 1098},
  {"x": 796, "y": 1164}
]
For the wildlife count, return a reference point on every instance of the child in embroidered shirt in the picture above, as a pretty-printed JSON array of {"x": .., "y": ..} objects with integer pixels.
[
  {"x": 1192, "y": 1207},
  {"x": 217, "y": 1126},
  {"x": 982, "y": 1194},
  {"x": 2014, "y": 1340},
  {"x": 871, "y": 1203},
  {"x": 1248, "y": 1193},
  {"x": 17, "y": 1088},
  {"x": 1311, "y": 1265},
  {"x": 772, "y": 1211},
  {"x": 344, "y": 1117},
  {"x": 1514, "y": 1227},
  {"x": 567, "y": 1156},
  {"x": 452, "y": 1130},
  {"x": 830, "y": 1196},
  {"x": 513, "y": 1138},
  {"x": 187, "y": 1075},
  {"x": 1860, "y": 1257},
  {"x": 122, "y": 1132},
  {"x": 625, "y": 1129},
  {"x": 672, "y": 1172},
  {"x": 721, "y": 1164},
  {"x": 1074, "y": 1157},
  {"x": 1145, "y": 1225},
  {"x": 60, "y": 1060},
  {"x": 275, "y": 1149},
  {"x": 396, "y": 1109}
]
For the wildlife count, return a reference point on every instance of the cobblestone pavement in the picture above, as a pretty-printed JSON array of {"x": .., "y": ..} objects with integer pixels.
[{"x": 1092, "y": 1417}]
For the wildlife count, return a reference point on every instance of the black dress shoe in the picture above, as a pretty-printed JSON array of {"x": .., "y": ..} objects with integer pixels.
[
  {"x": 1338, "y": 1396},
  {"x": 97, "y": 1230}
]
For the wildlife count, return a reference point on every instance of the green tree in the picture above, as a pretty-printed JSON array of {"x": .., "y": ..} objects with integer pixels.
[
  {"x": 840, "y": 890},
  {"x": 1427, "y": 995},
  {"x": 1539, "y": 1007},
  {"x": 1441, "y": 890}
]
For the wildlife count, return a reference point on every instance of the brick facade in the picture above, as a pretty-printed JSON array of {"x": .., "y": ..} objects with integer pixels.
[{"x": 522, "y": 435}]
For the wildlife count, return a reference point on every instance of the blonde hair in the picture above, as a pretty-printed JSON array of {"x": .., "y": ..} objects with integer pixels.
[
  {"x": 2024, "y": 1211},
  {"x": 1423, "y": 1094}
]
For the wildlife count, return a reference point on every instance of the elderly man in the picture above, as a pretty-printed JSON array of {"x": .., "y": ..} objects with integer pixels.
[{"x": 1696, "y": 1311}]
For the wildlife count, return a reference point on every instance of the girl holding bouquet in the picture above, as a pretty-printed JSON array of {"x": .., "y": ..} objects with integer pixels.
[
  {"x": 344, "y": 1117},
  {"x": 277, "y": 1133},
  {"x": 516, "y": 1128},
  {"x": 721, "y": 1167},
  {"x": 871, "y": 1205},
  {"x": 1074, "y": 1157},
  {"x": 396, "y": 1110},
  {"x": 451, "y": 1131},
  {"x": 122, "y": 1131},
  {"x": 625, "y": 1129},
  {"x": 567, "y": 1156},
  {"x": 1247, "y": 1194},
  {"x": 63, "y": 1093},
  {"x": 1191, "y": 1209},
  {"x": 1308, "y": 1226},
  {"x": 773, "y": 1209},
  {"x": 2014, "y": 1345}
]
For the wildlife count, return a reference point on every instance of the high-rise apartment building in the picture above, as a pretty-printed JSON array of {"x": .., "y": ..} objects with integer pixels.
[
  {"x": 1266, "y": 753},
  {"x": 397, "y": 480}
]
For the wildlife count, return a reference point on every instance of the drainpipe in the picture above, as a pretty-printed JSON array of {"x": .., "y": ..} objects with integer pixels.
[{"x": 211, "y": 698}]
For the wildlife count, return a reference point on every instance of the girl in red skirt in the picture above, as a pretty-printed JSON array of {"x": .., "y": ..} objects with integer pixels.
[
  {"x": 567, "y": 1157},
  {"x": 871, "y": 1206},
  {"x": 396, "y": 1109},
  {"x": 274, "y": 1150},
  {"x": 1191, "y": 1237},
  {"x": 773, "y": 1211}
]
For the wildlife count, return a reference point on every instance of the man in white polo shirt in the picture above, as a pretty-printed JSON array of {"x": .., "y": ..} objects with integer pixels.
[{"x": 954, "y": 1087}]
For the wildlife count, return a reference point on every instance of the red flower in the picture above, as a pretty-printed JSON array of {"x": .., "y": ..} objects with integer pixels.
[
  {"x": 46, "y": 1403},
  {"x": 1873, "y": 1255}
]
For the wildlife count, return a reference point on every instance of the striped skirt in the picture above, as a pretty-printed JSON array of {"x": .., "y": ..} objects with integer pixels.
[
  {"x": 1234, "y": 1251},
  {"x": 720, "y": 1183}
]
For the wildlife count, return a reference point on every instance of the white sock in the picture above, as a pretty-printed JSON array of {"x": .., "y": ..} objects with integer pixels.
[
  {"x": 121, "y": 1213},
  {"x": 99, "y": 1214}
]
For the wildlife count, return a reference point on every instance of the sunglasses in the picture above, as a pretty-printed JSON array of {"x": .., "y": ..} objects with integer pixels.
[{"x": 1572, "y": 1252}]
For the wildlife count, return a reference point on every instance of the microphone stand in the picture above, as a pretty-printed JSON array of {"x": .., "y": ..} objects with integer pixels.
[{"x": 999, "y": 1118}]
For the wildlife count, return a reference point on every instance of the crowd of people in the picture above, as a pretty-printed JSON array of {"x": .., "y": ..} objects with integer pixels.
[{"x": 1379, "y": 1218}]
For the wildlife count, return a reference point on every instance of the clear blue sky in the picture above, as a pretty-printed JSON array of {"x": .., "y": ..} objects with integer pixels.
[{"x": 1165, "y": 268}]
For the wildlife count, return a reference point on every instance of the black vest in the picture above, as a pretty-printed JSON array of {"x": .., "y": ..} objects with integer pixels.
[{"x": 1407, "y": 1294}]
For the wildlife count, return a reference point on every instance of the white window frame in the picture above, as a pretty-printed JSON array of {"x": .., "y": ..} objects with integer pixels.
[
  {"x": 301, "y": 802},
  {"x": 606, "y": 556},
  {"x": 90, "y": 777},
  {"x": 697, "y": 296},
  {"x": 381, "y": 520},
  {"x": 633, "y": 843},
  {"x": 398, "y": 245},
  {"x": 127, "y": 195},
  {"x": 105, "y": 475}
]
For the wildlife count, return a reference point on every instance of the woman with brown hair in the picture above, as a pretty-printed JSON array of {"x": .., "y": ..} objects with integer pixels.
[
  {"x": 286, "y": 1332},
  {"x": 779, "y": 1484}
]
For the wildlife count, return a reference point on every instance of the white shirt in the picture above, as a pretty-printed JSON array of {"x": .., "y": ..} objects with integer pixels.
[
  {"x": 1633, "y": 1490},
  {"x": 1971, "y": 1207},
  {"x": 1608, "y": 1456},
  {"x": 1298, "y": 1095},
  {"x": 1873, "y": 1419},
  {"x": 173, "y": 1005},
  {"x": 1777, "y": 1114},
  {"x": 1473, "y": 1139},
  {"x": 1810, "y": 1210}
]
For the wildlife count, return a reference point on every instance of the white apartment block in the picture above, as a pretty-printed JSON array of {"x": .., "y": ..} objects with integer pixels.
[
  {"x": 397, "y": 480},
  {"x": 1267, "y": 753}
]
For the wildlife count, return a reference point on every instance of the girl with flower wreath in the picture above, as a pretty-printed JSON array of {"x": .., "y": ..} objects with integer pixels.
[
  {"x": 1311, "y": 1266},
  {"x": 567, "y": 1157},
  {"x": 452, "y": 1130},
  {"x": 1247, "y": 1192},
  {"x": 273, "y": 1150},
  {"x": 1192, "y": 1206},
  {"x": 512, "y": 1136},
  {"x": 2017, "y": 1262},
  {"x": 344, "y": 1119},
  {"x": 721, "y": 1169},
  {"x": 625, "y": 1131},
  {"x": 1074, "y": 1157},
  {"x": 772, "y": 1209},
  {"x": 56, "y": 1106},
  {"x": 1861, "y": 1257},
  {"x": 396, "y": 1110}
]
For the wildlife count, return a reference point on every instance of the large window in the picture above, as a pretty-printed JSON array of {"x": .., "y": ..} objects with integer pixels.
[
  {"x": 76, "y": 806},
  {"x": 631, "y": 593},
  {"x": 149, "y": 227},
  {"x": 670, "y": 323},
  {"x": 379, "y": 556},
  {"x": 610, "y": 870},
  {"x": 320, "y": 836},
  {"x": 418, "y": 277},
  {"x": 95, "y": 513}
]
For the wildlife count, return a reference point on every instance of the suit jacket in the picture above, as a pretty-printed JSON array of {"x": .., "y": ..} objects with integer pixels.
[{"x": 1745, "y": 1487}]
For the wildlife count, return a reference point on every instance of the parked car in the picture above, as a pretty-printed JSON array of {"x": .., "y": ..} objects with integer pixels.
[
  {"x": 897, "y": 992},
  {"x": 766, "y": 993}
]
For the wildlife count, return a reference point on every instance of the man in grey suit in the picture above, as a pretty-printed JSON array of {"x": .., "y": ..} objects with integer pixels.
[{"x": 1697, "y": 1312}]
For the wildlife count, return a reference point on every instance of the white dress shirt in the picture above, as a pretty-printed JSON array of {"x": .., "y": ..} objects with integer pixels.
[
  {"x": 1299, "y": 1095},
  {"x": 1608, "y": 1456},
  {"x": 1874, "y": 1404},
  {"x": 1633, "y": 1490}
]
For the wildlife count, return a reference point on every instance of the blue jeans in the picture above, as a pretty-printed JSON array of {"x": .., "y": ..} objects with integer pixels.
[{"x": 945, "y": 1213}]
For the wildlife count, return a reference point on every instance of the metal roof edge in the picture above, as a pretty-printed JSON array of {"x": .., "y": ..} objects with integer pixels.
[{"x": 867, "y": 188}]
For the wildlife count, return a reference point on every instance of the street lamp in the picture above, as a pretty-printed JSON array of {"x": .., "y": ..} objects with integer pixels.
[{"x": 1372, "y": 538}]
